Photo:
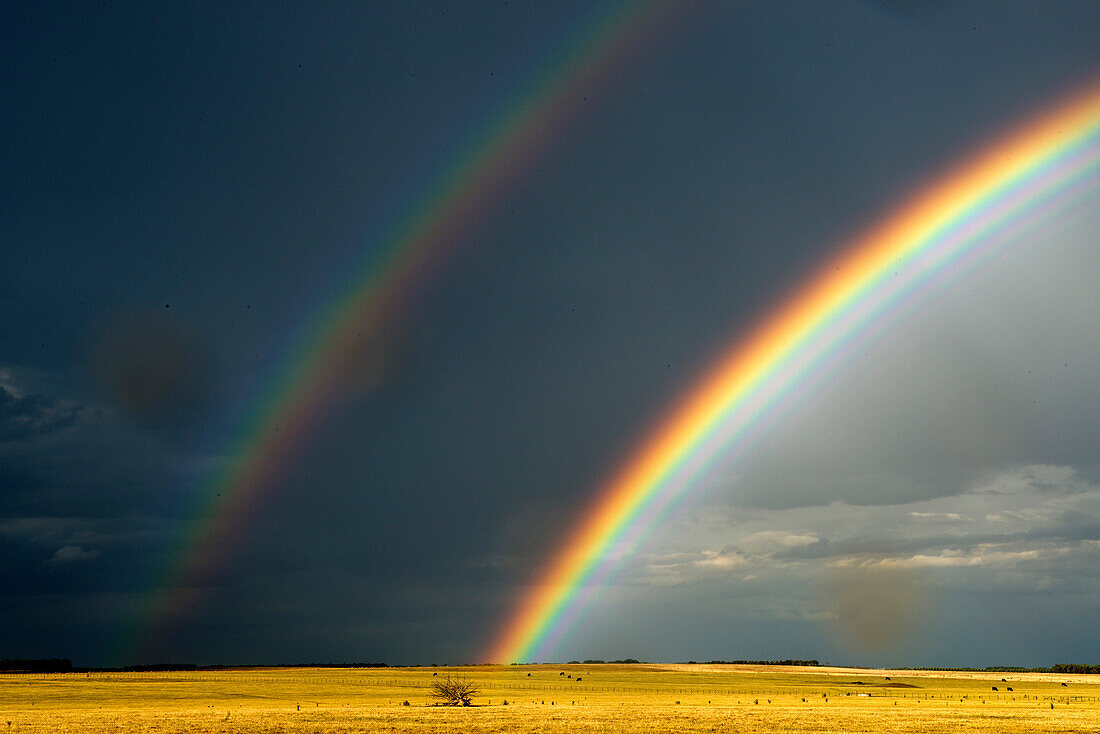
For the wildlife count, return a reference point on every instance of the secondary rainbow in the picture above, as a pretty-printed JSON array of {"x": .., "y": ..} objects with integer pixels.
[
  {"x": 400, "y": 258},
  {"x": 1022, "y": 179}
]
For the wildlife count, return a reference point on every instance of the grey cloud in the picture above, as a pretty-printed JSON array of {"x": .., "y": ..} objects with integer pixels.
[
  {"x": 1041, "y": 477},
  {"x": 73, "y": 554},
  {"x": 79, "y": 530},
  {"x": 940, "y": 517},
  {"x": 1056, "y": 520},
  {"x": 924, "y": 562},
  {"x": 883, "y": 546},
  {"x": 39, "y": 529}
]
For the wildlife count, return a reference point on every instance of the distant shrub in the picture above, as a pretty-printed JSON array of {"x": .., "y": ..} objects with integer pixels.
[{"x": 454, "y": 691}]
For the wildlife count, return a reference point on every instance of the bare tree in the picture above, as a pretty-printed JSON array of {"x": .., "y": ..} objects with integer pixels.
[{"x": 454, "y": 691}]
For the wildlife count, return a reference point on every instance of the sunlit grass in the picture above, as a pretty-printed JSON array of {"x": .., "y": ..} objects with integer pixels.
[{"x": 544, "y": 698}]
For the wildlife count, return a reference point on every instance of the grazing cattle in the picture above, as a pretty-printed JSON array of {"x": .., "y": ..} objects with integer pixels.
[
  {"x": 1010, "y": 688},
  {"x": 1003, "y": 680},
  {"x": 1064, "y": 685},
  {"x": 579, "y": 679},
  {"x": 994, "y": 687},
  {"x": 528, "y": 675}
]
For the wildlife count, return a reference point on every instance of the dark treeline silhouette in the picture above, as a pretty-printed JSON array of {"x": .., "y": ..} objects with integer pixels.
[
  {"x": 1073, "y": 668},
  {"x": 163, "y": 667},
  {"x": 1056, "y": 668},
  {"x": 807, "y": 663},
  {"x": 155, "y": 668},
  {"x": 52, "y": 665},
  {"x": 64, "y": 665}
]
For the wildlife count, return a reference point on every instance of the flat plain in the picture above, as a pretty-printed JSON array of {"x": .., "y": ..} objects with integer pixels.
[{"x": 553, "y": 698}]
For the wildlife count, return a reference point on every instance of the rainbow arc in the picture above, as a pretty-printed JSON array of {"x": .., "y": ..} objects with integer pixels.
[
  {"x": 414, "y": 240},
  {"x": 1039, "y": 168}
]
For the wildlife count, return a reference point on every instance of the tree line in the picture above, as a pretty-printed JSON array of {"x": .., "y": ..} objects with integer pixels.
[
  {"x": 1056, "y": 668},
  {"x": 50, "y": 665}
]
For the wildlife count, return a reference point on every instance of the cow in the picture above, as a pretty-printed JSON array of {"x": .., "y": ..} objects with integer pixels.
[{"x": 994, "y": 687}]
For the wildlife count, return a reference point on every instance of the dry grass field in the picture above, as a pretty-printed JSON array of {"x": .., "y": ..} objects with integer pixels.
[{"x": 543, "y": 698}]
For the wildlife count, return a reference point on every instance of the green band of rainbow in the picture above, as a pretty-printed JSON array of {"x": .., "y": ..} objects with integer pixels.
[
  {"x": 1039, "y": 167},
  {"x": 400, "y": 258}
]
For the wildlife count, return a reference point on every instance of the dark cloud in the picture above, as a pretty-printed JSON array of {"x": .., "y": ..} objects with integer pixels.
[
  {"x": 23, "y": 417},
  {"x": 194, "y": 195}
]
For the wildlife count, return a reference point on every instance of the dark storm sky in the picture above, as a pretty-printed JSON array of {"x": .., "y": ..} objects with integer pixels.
[{"x": 185, "y": 186}]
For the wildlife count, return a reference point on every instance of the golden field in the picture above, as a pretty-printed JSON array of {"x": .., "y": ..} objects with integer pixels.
[{"x": 541, "y": 698}]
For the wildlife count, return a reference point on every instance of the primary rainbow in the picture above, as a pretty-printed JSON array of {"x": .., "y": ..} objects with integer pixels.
[
  {"x": 400, "y": 257},
  {"x": 1022, "y": 179}
]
